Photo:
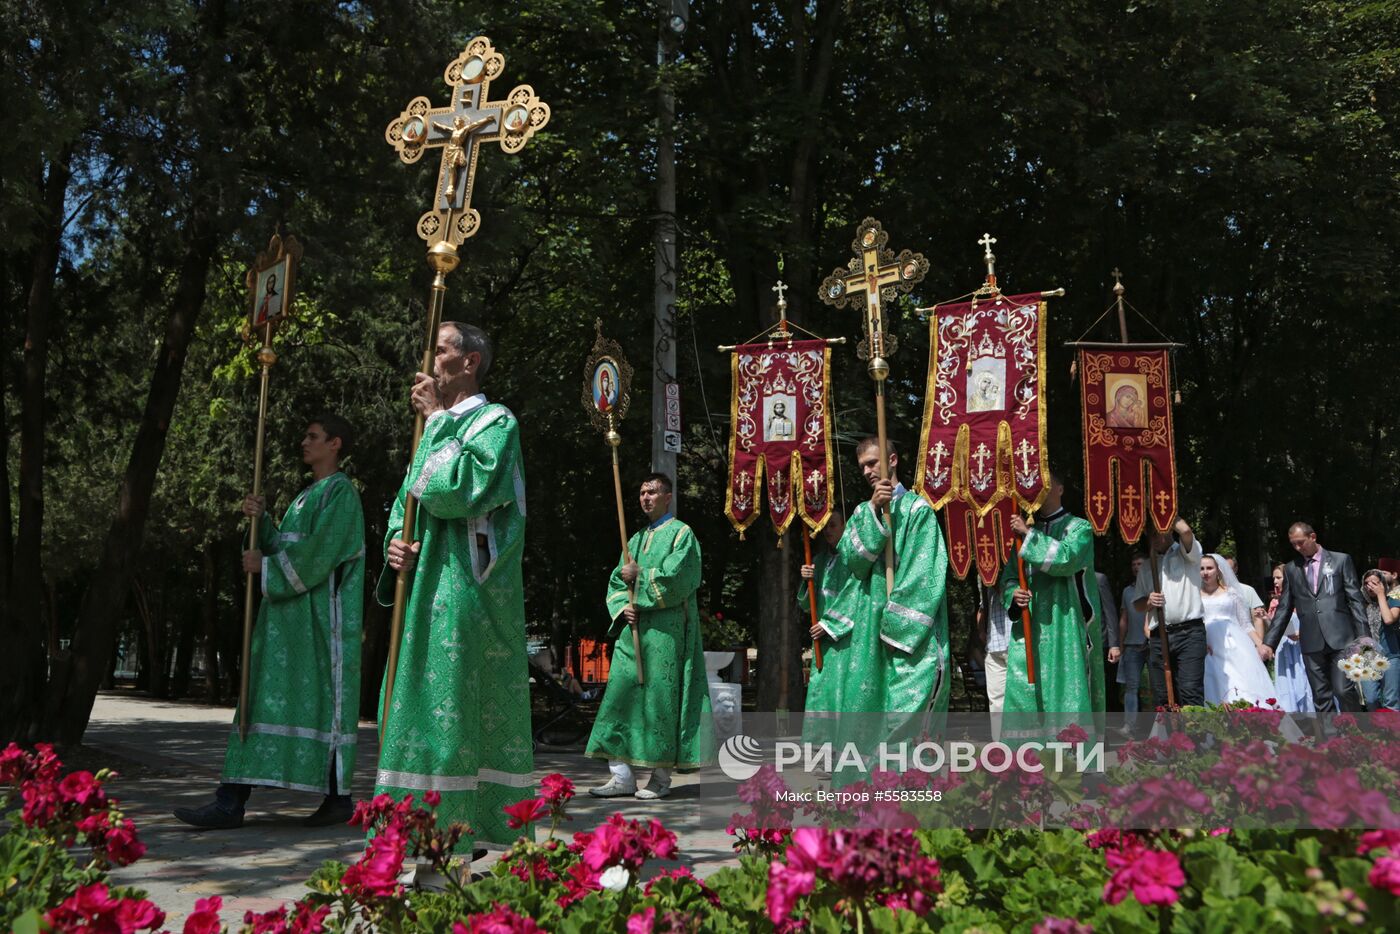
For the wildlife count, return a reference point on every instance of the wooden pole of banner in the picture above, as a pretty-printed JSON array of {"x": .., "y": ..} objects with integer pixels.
[
  {"x": 266, "y": 358},
  {"x": 1162, "y": 628},
  {"x": 1026, "y": 616},
  {"x": 614, "y": 439},
  {"x": 1153, "y": 558},
  {"x": 812, "y": 596}
]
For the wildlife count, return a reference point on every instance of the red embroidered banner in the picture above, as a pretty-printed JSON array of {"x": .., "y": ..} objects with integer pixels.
[
  {"x": 780, "y": 434},
  {"x": 984, "y": 540},
  {"x": 983, "y": 437},
  {"x": 1127, "y": 410}
]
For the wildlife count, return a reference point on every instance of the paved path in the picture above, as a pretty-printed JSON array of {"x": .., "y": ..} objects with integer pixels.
[{"x": 171, "y": 753}]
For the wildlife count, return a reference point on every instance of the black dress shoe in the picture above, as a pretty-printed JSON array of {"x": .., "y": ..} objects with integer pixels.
[
  {"x": 210, "y": 817},
  {"x": 331, "y": 811}
]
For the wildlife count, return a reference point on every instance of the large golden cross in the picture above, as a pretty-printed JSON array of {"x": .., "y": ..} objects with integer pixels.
[
  {"x": 874, "y": 276},
  {"x": 459, "y": 130}
]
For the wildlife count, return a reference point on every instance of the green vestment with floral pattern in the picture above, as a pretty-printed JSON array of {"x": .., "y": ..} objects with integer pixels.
[
  {"x": 304, "y": 678},
  {"x": 666, "y": 722},
  {"x": 1059, "y": 557},
  {"x": 459, "y": 723}
]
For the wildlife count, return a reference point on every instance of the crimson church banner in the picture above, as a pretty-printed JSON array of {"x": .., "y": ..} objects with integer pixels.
[
  {"x": 780, "y": 434},
  {"x": 1128, "y": 437},
  {"x": 982, "y": 447}
]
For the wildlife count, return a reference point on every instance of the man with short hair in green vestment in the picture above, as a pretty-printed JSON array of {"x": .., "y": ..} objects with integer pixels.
[
  {"x": 304, "y": 679},
  {"x": 459, "y": 719},
  {"x": 912, "y": 620},
  {"x": 828, "y": 690},
  {"x": 1063, "y": 594},
  {"x": 664, "y": 724}
]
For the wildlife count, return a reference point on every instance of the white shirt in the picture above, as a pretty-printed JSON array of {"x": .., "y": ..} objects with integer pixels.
[
  {"x": 1181, "y": 584},
  {"x": 463, "y": 407},
  {"x": 1251, "y": 598}
]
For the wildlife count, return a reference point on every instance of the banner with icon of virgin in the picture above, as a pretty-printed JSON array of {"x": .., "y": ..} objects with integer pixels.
[
  {"x": 780, "y": 434},
  {"x": 983, "y": 439},
  {"x": 1127, "y": 431}
]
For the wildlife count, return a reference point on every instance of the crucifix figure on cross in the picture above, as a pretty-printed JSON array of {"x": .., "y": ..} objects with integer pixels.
[
  {"x": 875, "y": 275},
  {"x": 458, "y": 130}
]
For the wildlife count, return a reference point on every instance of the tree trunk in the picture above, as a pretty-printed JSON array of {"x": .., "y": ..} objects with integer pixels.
[
  {"x": 184, "y": 653},
  {"x": 780, "y": 632},
  {"x": 22, "y": 670},
  {"x": 70, "y": 700},
  {"x": 209, "y": 611},
  {"x": 154, "y": 641}
]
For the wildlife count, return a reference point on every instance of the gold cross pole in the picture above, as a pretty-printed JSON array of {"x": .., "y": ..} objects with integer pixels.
[
  {"x": 873, "y": 276},
  {"x": 459, "y": 129},
  {"x": 271, "y": 282}
]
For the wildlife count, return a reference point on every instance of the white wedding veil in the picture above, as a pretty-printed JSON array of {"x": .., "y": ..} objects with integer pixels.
[{"x": 1236, "y": 591}]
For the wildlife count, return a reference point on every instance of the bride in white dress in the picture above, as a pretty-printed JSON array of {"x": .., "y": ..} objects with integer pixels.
[{"x": 1235, "y": 655}]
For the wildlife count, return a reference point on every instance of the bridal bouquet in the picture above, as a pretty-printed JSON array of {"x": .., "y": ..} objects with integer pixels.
[{"x": 1363, "y": 661}]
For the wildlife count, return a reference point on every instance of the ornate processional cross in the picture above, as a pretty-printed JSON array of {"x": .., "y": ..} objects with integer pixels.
[
  {"x": 459, "y": 130},
  {"x": 873, "y": 276}
]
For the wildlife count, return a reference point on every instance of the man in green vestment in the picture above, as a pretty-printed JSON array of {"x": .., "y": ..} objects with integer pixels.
[
  {"x": 828, "y": 577},
  {"x": 912, "y": 620},
  {"x": 304, "y": 683},
  {"x": 665, "y": 723},
  {"x": 459, "y": 720},
  {"x": 1063, "y": 594}
]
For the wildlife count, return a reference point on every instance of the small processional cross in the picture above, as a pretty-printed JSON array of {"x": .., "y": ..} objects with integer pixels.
[{"x": 459, "y": 130}]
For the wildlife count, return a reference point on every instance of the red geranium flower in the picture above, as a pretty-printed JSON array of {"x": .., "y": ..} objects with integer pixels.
[{"x": 525, "y": 812}]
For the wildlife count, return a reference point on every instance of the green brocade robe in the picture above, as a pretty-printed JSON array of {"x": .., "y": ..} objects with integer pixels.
[
  {"x": 852, "y": 676},
  {"x": 665, "y": 723},
  {"x": 912, "y": 621},
  {"x": 460, "y": 717},
  {"x": 848, "y": 679},
  {"x": 304, "y": 682},
  {"x": 1059, "y": 558}
]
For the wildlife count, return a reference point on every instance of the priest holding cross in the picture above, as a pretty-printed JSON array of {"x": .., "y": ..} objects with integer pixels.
[
  {"x": 453, "y": 724},
  {"x": 893, "y": 546}
]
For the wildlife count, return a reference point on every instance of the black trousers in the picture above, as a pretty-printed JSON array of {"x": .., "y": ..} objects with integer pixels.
[
  {"x": 232, "y": 796},
  {"x": 1186, "y": 646},
  {"x": 1328, "y": 682}
]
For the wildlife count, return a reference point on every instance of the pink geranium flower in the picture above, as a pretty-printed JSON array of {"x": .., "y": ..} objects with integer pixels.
[
  {"x": 205, "y": 917},
  {"x": 1385, "y": 875},
  {"x": 267, "y": 922},
  {"x": 556, "y": 789},
  {"x": 376, "y": 874},
  {"x": 500, "y": 920},
  {"x": 1151, "y": 876},
  {"x": 1387, "y": 839},
  {"x": 91, "y": 908},
  {"x": 642, "y": 922}
]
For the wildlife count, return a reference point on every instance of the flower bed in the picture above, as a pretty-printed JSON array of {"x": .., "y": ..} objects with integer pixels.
[{"x": 876, "y": 873}]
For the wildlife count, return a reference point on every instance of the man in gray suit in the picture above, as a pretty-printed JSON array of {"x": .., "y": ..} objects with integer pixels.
[{"x": 1323, "y": 588}]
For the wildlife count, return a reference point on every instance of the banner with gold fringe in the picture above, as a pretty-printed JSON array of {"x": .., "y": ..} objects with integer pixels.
[
  {"x": 983, "y": 439},
  {"x": 1125, "y": 394},
  {"x": 780, "y": 434}
]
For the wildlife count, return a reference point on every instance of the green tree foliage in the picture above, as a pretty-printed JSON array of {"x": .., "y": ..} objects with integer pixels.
[{"x": 1238, "y": 160}]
